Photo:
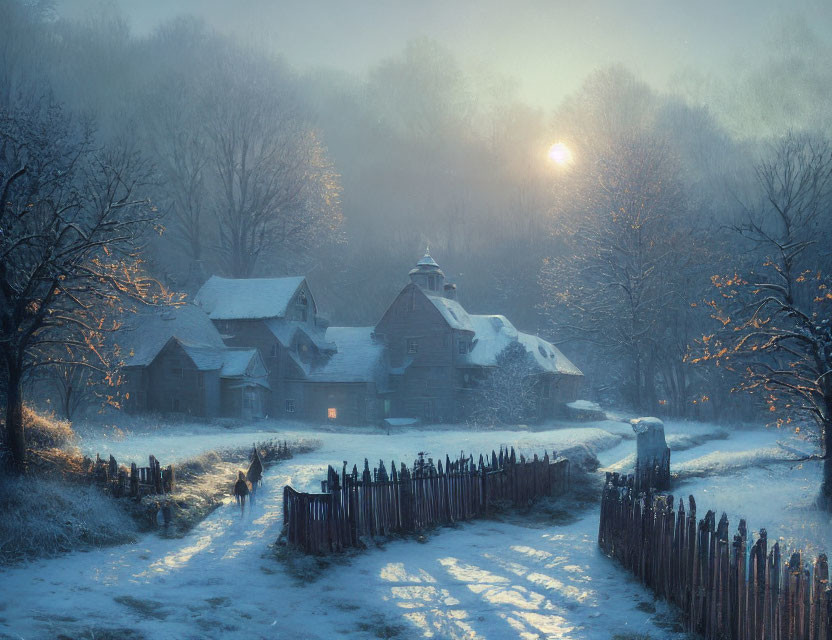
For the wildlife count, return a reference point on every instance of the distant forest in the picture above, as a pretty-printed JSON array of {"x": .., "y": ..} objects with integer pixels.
[{"x": 672, "y": 260}]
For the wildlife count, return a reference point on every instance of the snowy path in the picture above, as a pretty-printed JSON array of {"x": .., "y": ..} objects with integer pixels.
[{"x": 483, "y": 580}]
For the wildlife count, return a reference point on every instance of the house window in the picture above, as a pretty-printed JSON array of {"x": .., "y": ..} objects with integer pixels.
[
  {"x": 332, "y": 413},
  {"x": 174, "y": 403},
  {"x": 463, "y": 347},
  {"x": 432, "y": 283},
  {"x": 275, "y": 350},
  {"x": 303, "y": 303},
  {"x": 224, "y": 326},
  {"x": 547, "y": 389},
  {"x": 290, "y": 405},
  {"x": 177, "y": 372},
  {"x": 200, "y": 380},
  {"x": 412, "y": 345}
]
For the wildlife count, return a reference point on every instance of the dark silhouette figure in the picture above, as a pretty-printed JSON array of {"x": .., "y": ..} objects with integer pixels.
[{"x": 241, "y": 491}]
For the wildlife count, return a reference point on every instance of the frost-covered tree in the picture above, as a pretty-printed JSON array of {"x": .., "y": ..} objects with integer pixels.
[
  {"x": 774, "y": 313},
  {"x": 612, "y": 284},
  {"x": 508, "y": 393},
  {"x": 71, "y": 219}
]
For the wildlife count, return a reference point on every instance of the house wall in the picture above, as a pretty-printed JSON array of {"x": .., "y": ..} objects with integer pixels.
[
  {"x": 427, "y": 388},
  {"x": 134, "y": 388},
  {"x": 254, "y": 333},
  {"x": 211, "y": 392},
  {"x": 354, "y": 402},
  {"x": 174, "y": 385}
]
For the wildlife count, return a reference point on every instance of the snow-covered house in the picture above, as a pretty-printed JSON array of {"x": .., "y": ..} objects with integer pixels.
[
  {"x": 258, "y": 346},
  {"x": 278, "y": 317},
  {"x": 175, "y": 361},
  {"x": 438, "y": 352}
]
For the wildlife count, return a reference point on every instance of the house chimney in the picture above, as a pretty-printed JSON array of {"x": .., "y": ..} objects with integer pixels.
[{"x": 450, "y": 291}]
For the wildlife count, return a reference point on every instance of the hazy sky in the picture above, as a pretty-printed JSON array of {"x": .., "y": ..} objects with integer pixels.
[{"x": 548, "y": 45}]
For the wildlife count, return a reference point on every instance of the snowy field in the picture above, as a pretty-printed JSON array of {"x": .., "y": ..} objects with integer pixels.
[{"x": 485, "y": 579}]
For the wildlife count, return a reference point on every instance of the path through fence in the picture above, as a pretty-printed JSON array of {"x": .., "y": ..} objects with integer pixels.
[
  {"x": 354, "y": 506},
  {"x": 724, "y": 591}
]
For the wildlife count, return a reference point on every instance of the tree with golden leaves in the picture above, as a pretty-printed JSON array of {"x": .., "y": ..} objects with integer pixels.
[
  {"x": 72, "y": 218},
  {"x": 775, "y": 315}
]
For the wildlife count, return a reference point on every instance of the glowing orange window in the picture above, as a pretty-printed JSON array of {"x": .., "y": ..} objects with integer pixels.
[{"x": 332, "y": 413}]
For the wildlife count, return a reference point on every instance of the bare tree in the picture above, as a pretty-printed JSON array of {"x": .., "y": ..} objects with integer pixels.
[
  {"x": 181, "y": 152},
  {"x": 774, "y": 315},
  {"x": 70, "y": 220},
  {"x": 276, "y": 188},
  {"x": 609, "y": 287}
]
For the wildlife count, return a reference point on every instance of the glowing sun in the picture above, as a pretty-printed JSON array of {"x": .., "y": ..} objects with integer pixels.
[{"x": 560, "y": 154}]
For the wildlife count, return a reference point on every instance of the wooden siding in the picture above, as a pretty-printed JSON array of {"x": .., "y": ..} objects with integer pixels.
[{"x": 172, "y": 384}]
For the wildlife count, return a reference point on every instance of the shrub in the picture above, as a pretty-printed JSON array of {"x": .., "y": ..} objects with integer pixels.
[
  {"x": 45, "y": 431},
  {"x": 44, "y": 517}
]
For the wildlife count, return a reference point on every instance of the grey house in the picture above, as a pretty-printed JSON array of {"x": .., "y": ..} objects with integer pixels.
[
  {"x": 175, "y": 361},
  {"x": 258, "y": 347},
  {"x": 438, "y": 352}
]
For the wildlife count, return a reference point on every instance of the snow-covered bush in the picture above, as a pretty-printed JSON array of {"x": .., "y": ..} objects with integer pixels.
[
  {"x": 508, "y": 394},
  {"x": 44, "y": 517}
]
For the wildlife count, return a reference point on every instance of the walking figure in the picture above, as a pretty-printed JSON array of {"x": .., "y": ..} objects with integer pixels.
[
  {"x": 255, "y": 474},
  {"x": 241, "y": 491}
]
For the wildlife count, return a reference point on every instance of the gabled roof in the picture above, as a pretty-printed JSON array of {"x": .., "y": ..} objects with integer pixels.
[
  {"x": 493, "y": 333},
  {"x": 247, "y": 298},
  {"x": 359, "y": 357},
  {"x": 453, "y": 312},
  {"x": 236, "y": 362},
  {"x": 205, "y": 358},
  {"x": 144, "y": 334},
  {"x": 245, "y": 366},
  {"x": 285, "y": 330}
]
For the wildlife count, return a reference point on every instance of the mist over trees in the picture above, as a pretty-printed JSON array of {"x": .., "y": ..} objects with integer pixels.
[{"x": 257, "y": 169}]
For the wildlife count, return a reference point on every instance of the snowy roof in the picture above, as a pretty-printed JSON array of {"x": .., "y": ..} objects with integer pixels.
[
  {"x": 493, "y": 333},
  {"x": 247, "y": 298},
  {"x": 282, "y": 329},
  {"x": 205, "y": 358},
  {"x": 547, "y": 355},
  {"x": 145, "y": 334},
  {"x": 236, "y": 362},
  {"x": 359, "y": 357},
  {"x": 452, "y": 311},
  {"x": 427, "y": 260},
  {"x": 285, "y": 330}
]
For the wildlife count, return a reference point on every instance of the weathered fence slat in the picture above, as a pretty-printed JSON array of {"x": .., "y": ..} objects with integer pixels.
[
  {"x": 725, "y": 590},
  {"x": 413, "y": 499}
]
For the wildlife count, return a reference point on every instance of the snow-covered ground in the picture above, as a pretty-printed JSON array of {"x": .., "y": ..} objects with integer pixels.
[{"x": 485, "y": 579}]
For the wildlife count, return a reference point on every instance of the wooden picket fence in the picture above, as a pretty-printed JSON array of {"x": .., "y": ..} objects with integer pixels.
[
  {"x": 723, "y": 590},
  {"x": 152, "y": 479},
  {"x": 355, "y": 506}
]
